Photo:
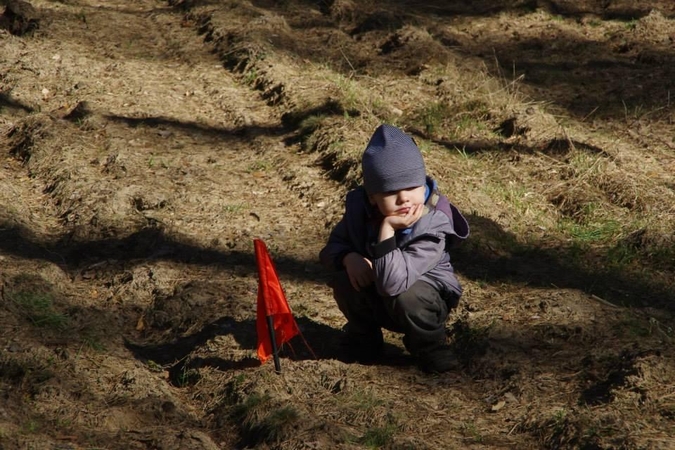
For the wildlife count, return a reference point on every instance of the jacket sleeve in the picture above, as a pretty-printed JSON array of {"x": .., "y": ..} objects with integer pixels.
[
  {"x": 337, "y": 247},
  {"x": 396, "y": 269}
]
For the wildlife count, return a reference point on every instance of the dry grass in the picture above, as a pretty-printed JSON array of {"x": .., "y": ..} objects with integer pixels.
[
  {"x": 140, "y": 209},
  {"x": 580, "y": 190}
]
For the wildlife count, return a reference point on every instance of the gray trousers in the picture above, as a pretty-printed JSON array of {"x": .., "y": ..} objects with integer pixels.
[{"x": 419, "y": 313}]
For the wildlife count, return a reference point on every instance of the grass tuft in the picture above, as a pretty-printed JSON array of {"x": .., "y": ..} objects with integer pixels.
[
  {"x": 378, "y": 437},
  {"x": 38, "y": 307},
  {"x": 259, "y": 420}
]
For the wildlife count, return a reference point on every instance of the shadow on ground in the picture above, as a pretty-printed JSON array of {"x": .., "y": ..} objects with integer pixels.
[
  {"x": 140, "y": 247},
  {"x": 494, "y": 255},
  {"x": 476, "y": 259},
  {"x": 14, "y": 106},
  {"x": 318, "y": 341},
  {"x": 194, "y": 128}
]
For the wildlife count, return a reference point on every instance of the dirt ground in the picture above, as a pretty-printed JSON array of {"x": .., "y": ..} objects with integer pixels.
[{"x": 145, "y": 144}]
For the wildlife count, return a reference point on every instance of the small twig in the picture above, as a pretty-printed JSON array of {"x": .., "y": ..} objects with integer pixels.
[
  {"x": 590, "y": 114},
  {"x": 567, "y": 137},
  {"x": 603, "y": 301},
  {"x": 348, "y": 61}
]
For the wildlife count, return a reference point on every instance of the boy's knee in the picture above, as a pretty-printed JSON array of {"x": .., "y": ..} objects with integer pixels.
[
  {"x": 339, "y": 280},
  {"x": 408, "y": 302}
]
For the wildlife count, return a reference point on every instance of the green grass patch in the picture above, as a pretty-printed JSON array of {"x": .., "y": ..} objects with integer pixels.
[
  {"x": 260, "y": 166},
  {"x": 431, "y": 117},
  {"x": 366, "y": 401},
  {"x": 594, "y": 232},
  {"x": 93, "y": 342},
  {"x": 250, "y": 77},
  {"x": 633, "y": 326},
  {"x": 472, "y": 433},
  {"x": 186, "y": 377},
  {"x": 453, "y": 121},
  {"x": 38, "y": 308},
  {"x": 351, "y": 96},
  {"x": 261, "y": 420},
  {"x": 233, "y": 209},
  {"x": 310, "y": 124},
  {"x": 273, "y": 424},
  {"x": 30, "y": 427},
  {"x": 378, "y": 437},
  {"x": 621, "y": 255},
  {"x": 527, "y": 206}
]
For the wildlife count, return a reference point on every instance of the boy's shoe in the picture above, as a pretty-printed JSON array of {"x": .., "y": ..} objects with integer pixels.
[
  {"x": 438, "y": 359},
  {"x": 361, "y": 348}
]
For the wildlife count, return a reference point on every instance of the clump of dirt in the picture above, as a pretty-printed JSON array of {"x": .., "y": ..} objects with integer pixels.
[
  {"x": 20, "y": 137},
  {"x": 19, "y": 18}
]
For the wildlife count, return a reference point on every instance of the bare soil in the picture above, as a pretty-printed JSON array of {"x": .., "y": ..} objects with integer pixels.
[{"x": 145, "y": 144}]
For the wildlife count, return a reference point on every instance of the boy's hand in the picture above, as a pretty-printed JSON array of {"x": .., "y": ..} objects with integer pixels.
[
  {"x": 401, "y": 221},
  {"x": 359, "y": 270}
]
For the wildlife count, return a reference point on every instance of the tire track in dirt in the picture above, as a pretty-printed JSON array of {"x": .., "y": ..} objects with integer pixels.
[{"x": 149, "y": 121}]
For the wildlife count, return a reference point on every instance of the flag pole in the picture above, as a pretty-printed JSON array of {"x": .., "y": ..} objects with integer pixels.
[{"x": 275, "y": 350}]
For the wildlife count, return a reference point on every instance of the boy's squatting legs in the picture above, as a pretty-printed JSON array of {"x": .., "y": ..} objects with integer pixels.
[{"x": 419, "y": 313}]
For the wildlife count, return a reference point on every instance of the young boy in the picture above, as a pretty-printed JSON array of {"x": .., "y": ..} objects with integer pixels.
[{"x": 389, "y": 252}]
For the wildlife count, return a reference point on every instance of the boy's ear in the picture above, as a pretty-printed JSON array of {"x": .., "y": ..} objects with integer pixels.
[{"x": 371, "y": 199}]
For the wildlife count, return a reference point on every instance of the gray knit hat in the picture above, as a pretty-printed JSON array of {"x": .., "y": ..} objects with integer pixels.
[{"x": 391, "y": 162}]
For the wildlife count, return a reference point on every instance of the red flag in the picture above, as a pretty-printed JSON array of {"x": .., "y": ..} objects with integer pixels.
[{"x": 271, "y": 303}]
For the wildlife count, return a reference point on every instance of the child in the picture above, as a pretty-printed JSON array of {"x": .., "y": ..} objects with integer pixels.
[{"x": 390, "y": 255}]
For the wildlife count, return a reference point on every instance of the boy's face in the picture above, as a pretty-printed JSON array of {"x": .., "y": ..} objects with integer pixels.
[{"x": 397, "y": 203}]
